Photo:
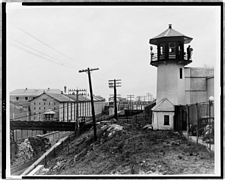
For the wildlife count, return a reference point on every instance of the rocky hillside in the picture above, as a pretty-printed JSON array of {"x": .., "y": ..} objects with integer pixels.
[{"x": 125, "y": 147}]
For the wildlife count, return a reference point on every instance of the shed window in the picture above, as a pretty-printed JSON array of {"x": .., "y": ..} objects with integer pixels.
[
  {"x": 166, "y": 120},
  {"x": 181, "y": 73}
]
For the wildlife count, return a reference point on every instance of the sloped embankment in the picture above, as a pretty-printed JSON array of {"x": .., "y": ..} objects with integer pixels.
[
  {"x": 126, "y": 148},
  {"x": 28, "y": 151}
]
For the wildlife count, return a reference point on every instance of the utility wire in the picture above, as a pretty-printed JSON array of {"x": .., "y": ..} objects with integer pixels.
[
  {"x": 40, "y": 56},
  {"x": 41, "y": 53},
  {"x": 45, "y": 44}
]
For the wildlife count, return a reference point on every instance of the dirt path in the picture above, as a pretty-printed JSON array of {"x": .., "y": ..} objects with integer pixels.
[{"x": 133, "y": 151}]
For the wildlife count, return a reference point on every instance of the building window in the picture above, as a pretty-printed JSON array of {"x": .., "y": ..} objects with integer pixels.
[
  {"x": 181, "y": 75},
  {"x": 26, "y": 98},
  {"x": 54, "y": 103},
  {"x": 34, "y": 108},
  {"x": 44, "y": 103},
  {"x": 17, "y": 98},
  {"x": 49, "y": 103},
  {"x": 34, "y": 103},
  {"x": 166, "y": 120},
  {"x": 44, "y": 99},
  {"x": 44, "y": 107},
  {"x": 39, "y": 103},
  {"x": 39, "y": 107}
]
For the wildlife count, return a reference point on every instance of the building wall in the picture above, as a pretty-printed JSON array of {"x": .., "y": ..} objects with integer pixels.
[
  {"x": 197, "y": 84},
  {"x": 41, "y": 104},
  {"x": 21, "y": 98},
  {"x": 68, "y": 111},
  {"x": 210, "y": 86},
  {"x": 18, "y": 112},
  {"x": 169, "y": 84},
  {"x": 158, "y": 120}
]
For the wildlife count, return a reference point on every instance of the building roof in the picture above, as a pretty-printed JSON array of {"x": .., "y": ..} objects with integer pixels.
[
  {"x": 80, "y": 97},
  {"x": 98, "y": 98},
  {"x": 49, "y": 111},
  {"x": 33, "y": 92},
  {"x": 85, "y": 98},
  {"x": 57, "y": 97},
  {"x": 163, "y": 105},
  {"x": 60, "y": 97},
  {"x": 168, "y": 33}
]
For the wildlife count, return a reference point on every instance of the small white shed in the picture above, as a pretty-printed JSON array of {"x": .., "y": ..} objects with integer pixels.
[{"x": 163, "y": 115}]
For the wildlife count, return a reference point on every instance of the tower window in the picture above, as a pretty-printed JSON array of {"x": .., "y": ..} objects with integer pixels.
[
  {"x": 172, "y": 48},
  {"x": 161, "y": 50},
  {"x": 166, "y": 120},
  {"x": 17, "y": 98},
  {"x": 26, "y": 98},
  {"x": 181, "y": 75}
]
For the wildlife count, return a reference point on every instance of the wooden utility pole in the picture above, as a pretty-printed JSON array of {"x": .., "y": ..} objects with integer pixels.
[
  {"x": 114, "y": 84},
  {"x": 88, "y": 70},
  {"x": 77, "y": 100},
  {"x": 130, "y": 97}
]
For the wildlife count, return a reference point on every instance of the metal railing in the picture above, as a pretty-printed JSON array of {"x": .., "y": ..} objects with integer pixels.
[{"x": 154, "y": 57}]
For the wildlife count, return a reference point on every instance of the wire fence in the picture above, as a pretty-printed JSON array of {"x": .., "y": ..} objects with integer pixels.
[{"x": 197, "y": 120}]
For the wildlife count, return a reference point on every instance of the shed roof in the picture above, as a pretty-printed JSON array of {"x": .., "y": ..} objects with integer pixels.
[{"x": 163, "y": 105}]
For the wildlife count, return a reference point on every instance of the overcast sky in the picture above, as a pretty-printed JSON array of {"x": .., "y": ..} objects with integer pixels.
[{"x": 47, "y": 46}]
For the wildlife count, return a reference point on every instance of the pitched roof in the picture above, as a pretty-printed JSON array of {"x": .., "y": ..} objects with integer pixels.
[
  {"x": 33, "y": 92},
  {"x": 80, "y": 97},
  {"x": 49, "y": 111},
  {"x": 85, "y": 98},
  {"x": 60, "y": 97},
  {"x": 163, "y": 105},
  {"x": 170, "y": 33},
  {"x": 57, "y": 97},
  {"x": 99, "y": 98}
]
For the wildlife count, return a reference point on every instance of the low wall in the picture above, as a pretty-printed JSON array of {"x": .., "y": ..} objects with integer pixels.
[{"x": 55, "y": 136}]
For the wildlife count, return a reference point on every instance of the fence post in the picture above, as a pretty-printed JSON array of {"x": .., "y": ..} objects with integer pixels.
[
  {"x": 197, "y": 110},
  {"x": 187, "y": 110}
]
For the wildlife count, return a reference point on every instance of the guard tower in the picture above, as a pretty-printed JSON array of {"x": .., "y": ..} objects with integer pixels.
[{"x": 170, "y": 58}]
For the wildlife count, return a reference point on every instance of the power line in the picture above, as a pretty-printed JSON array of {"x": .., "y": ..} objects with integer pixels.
[
  {"x": 38, "y": 51},
  {"x": 45, "y": 44},
  {"x": 40, "y": 56}
]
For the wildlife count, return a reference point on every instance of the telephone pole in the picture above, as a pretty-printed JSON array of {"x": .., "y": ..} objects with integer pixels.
[
  {"x": 114, "y": 84},
  {"x": 130, "y": 97},
  {"x": 88, "y": 70},
  {"x": 77, "y": 99}
]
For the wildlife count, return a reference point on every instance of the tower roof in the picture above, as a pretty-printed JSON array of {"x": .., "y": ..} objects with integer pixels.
[{"x": 170, "y": 33}]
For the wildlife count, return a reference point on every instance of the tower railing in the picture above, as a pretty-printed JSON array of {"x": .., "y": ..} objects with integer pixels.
[{"x": 154, "y": 57}]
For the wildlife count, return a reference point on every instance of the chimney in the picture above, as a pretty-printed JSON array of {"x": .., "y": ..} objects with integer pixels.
[
  {"x": 170, "y": 26},
  {"x": 65, "y": 89}
]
